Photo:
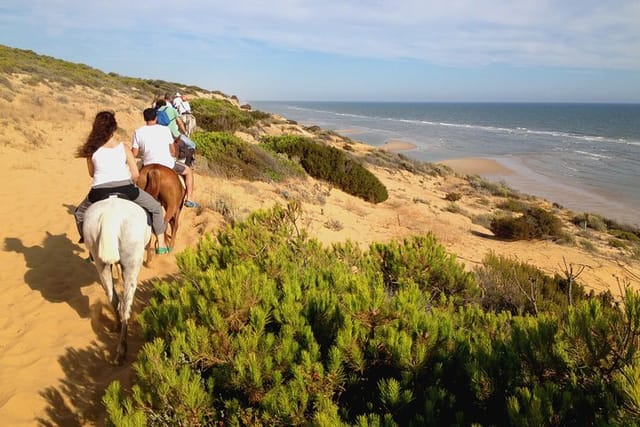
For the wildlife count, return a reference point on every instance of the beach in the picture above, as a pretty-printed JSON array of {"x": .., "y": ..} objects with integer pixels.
[{"x": 55, "y": 339}]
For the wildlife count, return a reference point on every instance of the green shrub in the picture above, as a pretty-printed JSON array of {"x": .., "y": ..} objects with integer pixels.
[
  {"x": 513, "y": 205},
  {"x": 535, "y": 223},
  {"x": 222, "y": 116},
  {"x": 588, "y": 245},
  {"x": 453, "y": 196},
  {"x": 330, "y": 164},
  {"x": 494, "y": 188},
  {"x": 625, "y": 235},
  {"x": 593, "y": 221},
  {"x": 395, "y": 161},
  {"x": 268, "y": 327},
  {"x": 423, "y": 261},
  {"x": 618, "y": 244},
  {"x": 227, "y": 155},
  {"x": 453, "y": 207}
]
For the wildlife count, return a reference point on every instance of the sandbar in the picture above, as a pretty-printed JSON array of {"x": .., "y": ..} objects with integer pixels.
[
  {"x": 398, "y": 145},
  {"x": 477, "y": 166}
]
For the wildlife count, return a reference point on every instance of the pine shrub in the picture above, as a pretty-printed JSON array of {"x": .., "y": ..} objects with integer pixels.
[
  {"x": 267, "y": 327},
  {"x": 222, "y": 116},
  {"x": 330, "y": 164},
  {"x": 230, "y": 156},
  {"x": 424, "y": 262}
]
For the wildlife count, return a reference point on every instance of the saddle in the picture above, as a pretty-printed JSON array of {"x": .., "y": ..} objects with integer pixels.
[{"x": 128, "y": 192}]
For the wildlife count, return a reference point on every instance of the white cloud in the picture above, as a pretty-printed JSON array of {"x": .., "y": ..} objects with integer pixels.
[{"x": 574, "y": 34}]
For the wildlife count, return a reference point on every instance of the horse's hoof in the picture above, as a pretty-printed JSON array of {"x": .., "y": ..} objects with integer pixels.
[
  {"x": 120, "y": 357},
  {"x": 116, "y": 326}
]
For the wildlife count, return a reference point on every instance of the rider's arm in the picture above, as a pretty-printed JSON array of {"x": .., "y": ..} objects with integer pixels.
[
  {"x": 133, "y": 167},
  {"x": 135, "y": 145},
  {"x": 173, "y": 149},
  {"x": 180, "y": 123},
  {"x": 90, "y": 166}
]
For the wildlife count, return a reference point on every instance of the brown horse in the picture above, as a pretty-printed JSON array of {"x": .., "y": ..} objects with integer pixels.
[{"x": 164, "y": 185}]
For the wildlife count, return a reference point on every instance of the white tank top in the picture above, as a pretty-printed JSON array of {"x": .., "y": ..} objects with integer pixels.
[{"x": 109, "y": 165}]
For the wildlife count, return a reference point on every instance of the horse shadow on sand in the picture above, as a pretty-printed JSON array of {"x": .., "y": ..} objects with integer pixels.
[
  {"x": 57, "y": 270},
  {"x": 77, "y": 401}
]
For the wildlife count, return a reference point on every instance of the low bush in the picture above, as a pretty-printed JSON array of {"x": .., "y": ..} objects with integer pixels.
[
  {"x": 521, "y": 288},
  {"x": 618, "y": 244},
  {"x": 500, "y": 189},
  {"x": 227, "y": 155},
  {"x": 453, "y": 196},
  {"x": 593, "y": 221},
  {"x": 217, "y": 115},
  {"x": 534, "y": 223},
  {"x": 483, "y": 219},
  {"x": 513, "y": 205},
  {"x": 625, "y": 235},
  {"x": 330, "y": 164},
  {"x": 394, "y": 161}
]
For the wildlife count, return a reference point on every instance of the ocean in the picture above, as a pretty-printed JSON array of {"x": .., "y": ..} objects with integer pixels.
[{"x": 585, "y": 157}]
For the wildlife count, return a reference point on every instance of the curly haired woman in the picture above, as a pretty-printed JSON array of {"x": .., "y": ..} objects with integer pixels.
[{"x": 113, "y": 168}]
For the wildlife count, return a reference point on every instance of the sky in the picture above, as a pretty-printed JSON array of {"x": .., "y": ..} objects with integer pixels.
[{"x": 350, "y": 50}]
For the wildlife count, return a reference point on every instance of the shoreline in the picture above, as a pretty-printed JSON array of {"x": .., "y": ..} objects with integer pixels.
[{"x": 516, "y": 174}]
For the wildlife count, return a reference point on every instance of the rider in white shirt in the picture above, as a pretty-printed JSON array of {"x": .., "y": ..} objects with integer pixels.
[
  {"x": 181, "y": 104},
  {"x": 155, "y": 144}
]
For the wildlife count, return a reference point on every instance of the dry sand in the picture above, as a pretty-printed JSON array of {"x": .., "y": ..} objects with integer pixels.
[{"x": 54, "y": 339}]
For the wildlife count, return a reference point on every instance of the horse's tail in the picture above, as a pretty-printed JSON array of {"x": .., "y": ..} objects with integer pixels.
[
  {"x": 109, "y": 236},
  {"x": 153, "y": 183}
]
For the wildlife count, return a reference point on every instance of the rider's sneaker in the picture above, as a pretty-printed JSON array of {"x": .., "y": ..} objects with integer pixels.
[{"x": 191, "y": 204}]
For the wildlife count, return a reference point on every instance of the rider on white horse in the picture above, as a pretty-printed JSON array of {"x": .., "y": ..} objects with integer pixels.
[{"x": 114, "y": 170}]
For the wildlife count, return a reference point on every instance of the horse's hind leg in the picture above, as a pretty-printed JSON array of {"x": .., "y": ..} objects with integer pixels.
[
  {"x": 106, "y": 278},
  {"x": 121, "y": 351},
  {"x": 174, "y": 226},
  {"x": 130, "y": 275}
]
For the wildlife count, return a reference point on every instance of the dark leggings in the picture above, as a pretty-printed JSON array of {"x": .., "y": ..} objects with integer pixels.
[{"x": 144, "y": 200}]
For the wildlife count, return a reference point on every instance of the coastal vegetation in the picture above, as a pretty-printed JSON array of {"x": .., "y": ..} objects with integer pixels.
[
  {"x": 268, "y": 327},
  {"x": 42, "y": 68},
  {"x": 227, "y": 155},
  {"x": 221, "y": 115},
  {"x": 330, "y": 164}
]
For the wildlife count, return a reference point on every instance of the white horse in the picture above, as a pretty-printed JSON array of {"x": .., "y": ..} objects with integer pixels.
[{"x": 116, "y": 231}]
